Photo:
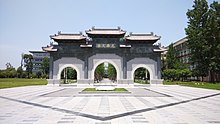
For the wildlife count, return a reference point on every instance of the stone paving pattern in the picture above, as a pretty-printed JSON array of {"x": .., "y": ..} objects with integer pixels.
[{"x": 144, "y": 105}]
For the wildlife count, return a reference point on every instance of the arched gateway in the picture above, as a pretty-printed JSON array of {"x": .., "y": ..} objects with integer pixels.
[{"x": 85, "y": 53}]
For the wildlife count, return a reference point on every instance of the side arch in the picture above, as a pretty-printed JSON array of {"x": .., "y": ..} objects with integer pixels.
[
  {"x": 103, "y": 61},
  {"x": 143, "y": 66},
  {"x": 65, "y": 66}
]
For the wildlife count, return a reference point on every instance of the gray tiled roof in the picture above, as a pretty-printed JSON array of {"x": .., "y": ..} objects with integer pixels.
[
  {"x": 143, "y": 37},
  {"x": 61, "y": 36},
  {"x": 160, "y": 49},
  {"x": 49, "y": 49},
  {"x": 116, "y": 31},
  {"x": 37, "y": 51}
]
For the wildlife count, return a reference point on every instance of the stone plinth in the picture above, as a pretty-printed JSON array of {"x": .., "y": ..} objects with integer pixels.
[
  {"x": 53, "y": 82},
  {"x": 156, "y": 81},
  {"x": 105, "y": 88}
]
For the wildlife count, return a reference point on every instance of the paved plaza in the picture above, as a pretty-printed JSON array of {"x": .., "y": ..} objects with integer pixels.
[{"x": 150, "y": 104}]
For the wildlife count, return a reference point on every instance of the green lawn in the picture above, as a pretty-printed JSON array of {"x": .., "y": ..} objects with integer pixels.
[
  {"x": 115, "y": 90},
  {"x": 17, "y": 82},
  {"x": 206, "y": 85}
]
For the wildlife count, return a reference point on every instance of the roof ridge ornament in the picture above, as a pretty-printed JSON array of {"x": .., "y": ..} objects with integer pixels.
[{"x": 51, "y": 43}]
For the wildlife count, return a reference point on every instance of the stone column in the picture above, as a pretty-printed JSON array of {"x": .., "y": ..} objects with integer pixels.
[
  {"x": 159, "y": 67},
  {"x": 51, "y": 68},
  {"x": 86, "y": 67},
  {"x": 146, "y": 72},
  {"x": 124, "y": 68}
]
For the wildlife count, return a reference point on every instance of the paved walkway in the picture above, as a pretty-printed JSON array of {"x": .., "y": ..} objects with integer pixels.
[{"x": 154, "y": 104}]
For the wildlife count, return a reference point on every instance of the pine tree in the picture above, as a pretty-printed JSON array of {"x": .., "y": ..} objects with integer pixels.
[
  {"x": 213, "y": 38},
  {"x": 203, "y": 37},
  {"x": 195, "y": 31},
  {"x": 172, "y": 61}
]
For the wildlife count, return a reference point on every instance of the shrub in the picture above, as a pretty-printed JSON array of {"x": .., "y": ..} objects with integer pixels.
[
  {"x": 176, "y": 74},
  {"x": 33, "y": 76},
  {"x": 170, "y": 74}
]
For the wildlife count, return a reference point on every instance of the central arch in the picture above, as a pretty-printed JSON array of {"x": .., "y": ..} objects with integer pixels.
[{"x": 105, "y": 61}]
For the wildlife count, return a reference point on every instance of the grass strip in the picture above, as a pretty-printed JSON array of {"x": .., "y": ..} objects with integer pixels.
[
  {"x": 17, "y": 82},
  {"x": 206, "y": 85}
]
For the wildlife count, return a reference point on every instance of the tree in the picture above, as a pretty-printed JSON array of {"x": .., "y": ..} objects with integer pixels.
[
  {"x": 22, "y": 60},
  {"x": 67, "y": 74},
  {"x": 173, "y": 67},
  {"x": 170, "y": 74},
  {"x": 172, "y": 62},
  {"x": 111, "y": 72},
  {"x": 45, "y": 65},
  {"x": 9, "y": 72},
  {"x": 8, "y": 65},
  {"x": 28, "y": 63},
  {"x": 39, "y": 74},
  {"x": 24, "y": 74},
  {"x": 203, "y": 37},
  {"x": 140, "y": 73},
  {"x": 99, "y": 72},
  {"x": 71, "y": 73},
  {"x": 213, "y": 38},
  {"x": 163, "y": 64},
  {"x": 184, "y": 73},
  {"x": 3, "y": 74},
  {"x": 19, "y": 72},
  {"x": 12, "y": 73},
  {"x": 33, "y": 75}
]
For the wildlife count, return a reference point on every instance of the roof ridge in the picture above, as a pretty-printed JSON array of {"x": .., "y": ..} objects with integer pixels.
[
  {"x": 111, "y": 29},
  {"x": 59, "y": 33},
  {"x": 70, "y": 34},
  {"x": 141, "y": 34},
  {"x": 107, "y": 29}
]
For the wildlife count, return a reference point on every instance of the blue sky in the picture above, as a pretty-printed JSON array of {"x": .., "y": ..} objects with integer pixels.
[{"x": 26, "y": 24}]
